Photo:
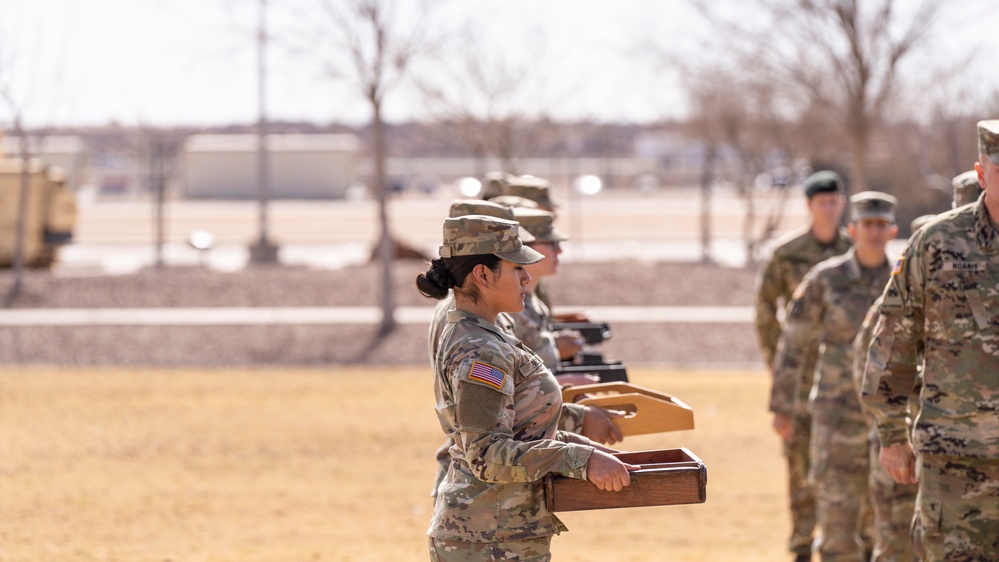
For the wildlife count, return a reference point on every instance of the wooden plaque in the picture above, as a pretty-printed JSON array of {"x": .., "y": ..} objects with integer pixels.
[
  {"x": 666, "y": 477},
  {"x": 647, "y": 411}
]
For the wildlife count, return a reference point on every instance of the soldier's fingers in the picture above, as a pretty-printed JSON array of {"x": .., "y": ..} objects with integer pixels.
[{"x": 615, "y": 433}]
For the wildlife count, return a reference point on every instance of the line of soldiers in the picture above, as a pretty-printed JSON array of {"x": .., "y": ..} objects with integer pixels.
[{"x": 886, "y": 379}]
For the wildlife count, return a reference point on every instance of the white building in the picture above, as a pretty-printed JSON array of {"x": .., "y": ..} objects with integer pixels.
[{"x": 300, "y": 166}]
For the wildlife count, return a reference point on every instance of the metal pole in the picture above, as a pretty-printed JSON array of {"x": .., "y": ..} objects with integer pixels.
[
  {"x": 263, "y": 251},
  {"x": 156, "y": 155}
]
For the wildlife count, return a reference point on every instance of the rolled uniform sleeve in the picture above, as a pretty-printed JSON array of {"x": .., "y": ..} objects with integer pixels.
[
  {"x": 572, "y": 418},
  {"x": 800, "y": 335},
  {"x": 485, "y": 415},
  {"x": 893, "y": 356}
]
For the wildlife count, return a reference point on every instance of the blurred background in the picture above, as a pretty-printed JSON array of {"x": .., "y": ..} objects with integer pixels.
[
  {"x": 218, "y": 134},
  {"x": 209, "y": 206}
]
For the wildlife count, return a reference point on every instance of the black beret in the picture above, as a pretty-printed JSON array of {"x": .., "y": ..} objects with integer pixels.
[{"x": 823, "y": 182}]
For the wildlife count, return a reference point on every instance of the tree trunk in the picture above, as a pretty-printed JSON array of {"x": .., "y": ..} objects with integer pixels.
[
  {"x": 22, "y": 217},
  {"x": 386, "y": 245},
  {"x": 858, "y": 161},
  {"x": 707, "y": 177}
]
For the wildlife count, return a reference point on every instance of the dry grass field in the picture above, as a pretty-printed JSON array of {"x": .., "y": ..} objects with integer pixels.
[{"x": 332, "y": 464}]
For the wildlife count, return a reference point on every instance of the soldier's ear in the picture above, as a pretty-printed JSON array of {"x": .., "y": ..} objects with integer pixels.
[{"x": 480, "y": 274}]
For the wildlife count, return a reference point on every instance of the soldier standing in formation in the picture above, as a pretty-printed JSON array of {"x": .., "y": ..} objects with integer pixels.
[
  {"x": 942, "y": 305},
  {"x": 499, "y": 404},
  {"x": 533, "y": 325},
  {"x": 793, "y": 256},
  {"x": 825, "y": 314},
  {"x": 894, "y": 503},
  {"x": 590, "y": 421}
]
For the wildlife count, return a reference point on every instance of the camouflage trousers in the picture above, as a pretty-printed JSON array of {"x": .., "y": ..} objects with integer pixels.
[
  {"x": 893, "y": 505},
  {"x": 527, "y": 550},
  {"x": 839, "y": 477},
  {"x": 957, "y": 508},
  {"x": 800, "y": 491}
]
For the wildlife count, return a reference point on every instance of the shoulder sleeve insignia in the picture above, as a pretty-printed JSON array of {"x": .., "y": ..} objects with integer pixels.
[
  {"x": 487, "y": 374},
  {"x": 898, "y": 266}
]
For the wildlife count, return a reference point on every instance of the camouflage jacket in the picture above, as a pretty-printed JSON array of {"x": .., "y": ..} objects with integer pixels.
[
  {"x": 860, "y": 346},
  {"x": 943, "y": 301},
  {"x": 572, "y": 414},
  {"x": 533, "y": 326},
  {"x": 792, "y": 257},
  {"x": 825, "y": 315},
  {"x": 500, "y": 405}
]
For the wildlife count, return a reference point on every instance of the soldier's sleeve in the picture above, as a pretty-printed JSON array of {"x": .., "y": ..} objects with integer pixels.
[
  {"x": 769, "y": 287},
  {"x": 572, "y": 417},
  {"x": 801, "y": 333},
  {"x": 573, "y": 438},
  {"x": 537, "y": 338},
  {"x": 484, "y": 414},
  {"x": 893, "y": 355},
  {"x": 861, "y": 344}
]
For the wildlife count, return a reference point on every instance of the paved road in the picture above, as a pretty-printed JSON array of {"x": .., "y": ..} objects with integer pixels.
[
  {"x": 118, "y": 236},
  {"x": 256, "y": 316}
]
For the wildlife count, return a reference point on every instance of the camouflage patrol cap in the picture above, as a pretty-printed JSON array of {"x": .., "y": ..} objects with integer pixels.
[
  {"x": 514, "y": 201},
  {"x": 473, "y": 235},
  {"x": 530, "y": 187},
  {"x": 460, "y": 207},
  {"x": 493, "y": 184},
  {"x": 541, "y": 224},
  {"x": 825, "y": 181},
  {"x": 988, "y": 139},
  {"x": 966, "y": 188},
  {"x": 919, "y": 221},
  {"x": 873, "y": 205}
]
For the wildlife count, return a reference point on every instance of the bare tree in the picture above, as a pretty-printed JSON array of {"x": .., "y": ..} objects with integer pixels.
[
  {"x": 498, "y": 105},
  {"x": 842, "y": 55},
  {"x": 745, "y": 137},
  {"x": 21, "y": 84},
  {"x": 372, "y": 48}
]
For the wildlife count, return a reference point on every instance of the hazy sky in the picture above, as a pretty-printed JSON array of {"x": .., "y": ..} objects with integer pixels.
[{"x": 193, "y": 62}]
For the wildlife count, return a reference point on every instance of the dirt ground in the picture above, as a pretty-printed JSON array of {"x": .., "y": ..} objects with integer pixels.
[{"x": 333, "y": 464}]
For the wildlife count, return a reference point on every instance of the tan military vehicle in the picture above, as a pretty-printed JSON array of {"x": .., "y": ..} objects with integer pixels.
[{"x": 50, "y": 212}]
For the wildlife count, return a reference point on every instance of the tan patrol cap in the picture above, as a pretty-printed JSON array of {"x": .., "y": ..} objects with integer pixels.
[
  {"x": 541, "y": 224},
  {"x": 493, "y": 184},
  {"x": 530, "y": 187},
  {"x": 988, "y": 139},
  {"x": 966, "y": 188},
  {"x": 514, "y": 201},
  {"x": 461, "y": 207},
  {"x": 873, "y": 205},
  {"x": 473, "y": 235}
]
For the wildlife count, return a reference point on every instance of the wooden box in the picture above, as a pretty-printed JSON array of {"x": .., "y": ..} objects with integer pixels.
[
  {"x": 666, "y": 477},
  {"x": 646, "y": 410}
]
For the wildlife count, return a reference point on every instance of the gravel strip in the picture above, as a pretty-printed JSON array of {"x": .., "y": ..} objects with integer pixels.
[{"x": 628, "y": 283}]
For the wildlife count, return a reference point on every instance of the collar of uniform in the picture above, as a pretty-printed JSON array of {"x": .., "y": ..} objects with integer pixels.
[
  {"x": 985, "y": 233},
  {"x": 854, "y": 264},
  {"x": 840, "y": 243},
  {"x": 455, "y": 315},
  {"x": 857, "y": 269}
]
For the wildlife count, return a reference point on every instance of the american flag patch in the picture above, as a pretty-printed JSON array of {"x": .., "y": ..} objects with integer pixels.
[
  {"x": 488, "y": 374},
  {"x": 898, "y": 266}
]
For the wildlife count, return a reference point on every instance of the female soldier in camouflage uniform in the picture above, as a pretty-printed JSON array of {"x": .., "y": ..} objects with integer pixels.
[{"x": 500, "y": 404}]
